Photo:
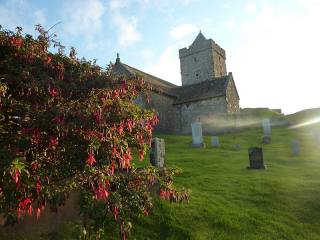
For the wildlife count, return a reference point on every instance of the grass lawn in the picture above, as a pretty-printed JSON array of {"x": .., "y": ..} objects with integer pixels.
[{"x": 230, "y": 202}]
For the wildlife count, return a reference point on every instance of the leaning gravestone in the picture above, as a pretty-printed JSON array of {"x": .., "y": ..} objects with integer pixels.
[
  {"x": 266, "y": 127},
  {"x": 197, "y": 139},
  {"x": 157, "y": 152},
  {"x": 295, "y": 147},
  {"x": 215, "y": 141},
  {"x": 256, "y": 158}
]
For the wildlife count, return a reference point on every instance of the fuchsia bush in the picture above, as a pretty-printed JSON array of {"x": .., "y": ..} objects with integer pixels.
[{"x": 67, "y": 125}]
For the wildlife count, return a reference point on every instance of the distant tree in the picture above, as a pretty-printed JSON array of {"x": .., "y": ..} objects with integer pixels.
[{"x": 66, "y": 125}]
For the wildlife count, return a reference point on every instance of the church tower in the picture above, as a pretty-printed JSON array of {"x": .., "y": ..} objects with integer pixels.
[{"x": 203, "y": 60}]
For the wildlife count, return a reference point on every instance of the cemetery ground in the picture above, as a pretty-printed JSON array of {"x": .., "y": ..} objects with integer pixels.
[{"x": 228, "y": 201}]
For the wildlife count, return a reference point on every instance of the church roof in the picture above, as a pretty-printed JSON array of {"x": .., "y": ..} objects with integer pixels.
[
  {"x": 216, "y": 87},
  {"x": 200, "y": 38},
  {"x": 204, "y": 90},
  {"x": 159, "y": 85}
]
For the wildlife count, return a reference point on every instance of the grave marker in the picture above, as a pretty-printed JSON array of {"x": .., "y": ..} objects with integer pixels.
[
  {"x": 266, "y": 127},
  {"x": 256, "y": 158},
  {"x": 157, "y": 152},
  {"x": 295, "y": 147},
  {"x": 197, "y": 139},
  {"x": 215, "y": 141}
]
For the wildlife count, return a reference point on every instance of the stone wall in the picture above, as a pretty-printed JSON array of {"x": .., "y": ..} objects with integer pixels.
[
  {"x": 169, "y": 118},
  {"x": 202, "y": 61},
  {"x": 219, "y": 61},
  {"x": 232, "y": 99},
  {"x": 212, "y": 114},
  {"x": 49, "y": 222},
  {"x": 197, "y": 66}
]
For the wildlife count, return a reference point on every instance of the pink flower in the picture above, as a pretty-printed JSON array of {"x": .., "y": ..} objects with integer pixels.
[
  {"x": 53, "y": 142},
  {"x": 97, "y": 116},
  {"x": 91, "y": 160},
  {"x": 53, "y": 91},
  {"x": 58, "y": 119},
  {"x": 35, "y": 136},
  {"x": 120, "y": 128},
  {"x": 115, "y": 213},
  {"x": 38, "y": 186},
  {"x": 15, "y": 176},
  {"x": 141, "y": 154}
]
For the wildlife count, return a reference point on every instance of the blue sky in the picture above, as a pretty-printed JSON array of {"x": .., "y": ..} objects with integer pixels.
[{"x": 272, "y": 46}]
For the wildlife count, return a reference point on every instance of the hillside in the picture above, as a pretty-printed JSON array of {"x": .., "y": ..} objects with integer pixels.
[
  {"x": 230, "y": 202},
  {"x": 304, "y": 115}
]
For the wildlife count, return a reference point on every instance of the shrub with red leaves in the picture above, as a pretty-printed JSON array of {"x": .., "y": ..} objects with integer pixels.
[{"x": 67, "y": 125}]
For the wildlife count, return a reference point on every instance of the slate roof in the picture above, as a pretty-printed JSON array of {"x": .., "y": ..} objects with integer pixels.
[
  {"x": 159, "y": 85},
  {"x": 204, "y": 90},
  {"x": 182, "y": 94}
]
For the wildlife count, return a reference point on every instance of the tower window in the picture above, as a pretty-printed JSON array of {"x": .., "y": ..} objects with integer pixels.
[{"x": 195, "y": 59}]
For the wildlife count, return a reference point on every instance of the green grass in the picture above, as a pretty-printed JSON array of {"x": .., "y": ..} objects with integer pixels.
[{"x": 230, "y": 202}]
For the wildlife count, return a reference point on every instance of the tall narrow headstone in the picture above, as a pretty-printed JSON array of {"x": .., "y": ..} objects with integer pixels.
[
  {"x": 157, "y": 152},
  {"x": 317, "y": 138},
  {"x": 295, "y": 147},
  {"x": 256, "y": 158},
  {"x": 197, "y": 139},
  {"x": 266, "y": 127},
  {"x": 215, "y": 141}
]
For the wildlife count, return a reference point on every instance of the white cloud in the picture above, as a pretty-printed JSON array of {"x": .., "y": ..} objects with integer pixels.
[
  {"x": 250, "y": 7},
  {"x": 82, "y": 17},
  {"x": 147, "y": 54},
  {"x": 127, "y": 33},
  {"x": 230, "y": 24},
  {"x": 17, "y": 13},
  {"x": 117, "y": 4},
  {"x": 40, "y": 17},
  {"x": 182, "y": 30},
  {"x": 167, "y": 66},
  {"x": 275, "y": 62}
]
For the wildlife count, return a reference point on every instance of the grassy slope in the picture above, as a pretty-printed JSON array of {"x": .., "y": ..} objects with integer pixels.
[{"x": 230, "y": 202}]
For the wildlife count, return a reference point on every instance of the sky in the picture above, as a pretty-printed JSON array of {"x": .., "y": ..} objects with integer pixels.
[{"x": 272, "y": 47}]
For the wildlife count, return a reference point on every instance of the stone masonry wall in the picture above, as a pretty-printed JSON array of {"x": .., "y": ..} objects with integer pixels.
[
  {"x": 202, "y": 62},
  {"x": 232, "y": 99},
  {"x": 197, "y": 66},
  {"x": 168, "y": 117},
  {"x": 219, "y": 61},
  {"x": 212, "y": 114}
]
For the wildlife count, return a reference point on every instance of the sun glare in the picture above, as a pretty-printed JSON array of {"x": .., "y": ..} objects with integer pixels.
[{"x": 306, "y": 123}]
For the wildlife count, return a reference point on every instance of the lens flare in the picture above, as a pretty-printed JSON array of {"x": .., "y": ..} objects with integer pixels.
[{"x": 306, "y": 123}]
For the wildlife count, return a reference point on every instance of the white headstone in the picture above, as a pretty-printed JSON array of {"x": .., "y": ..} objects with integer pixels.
[
  {"x": 215, "y": 141},
  {"x": 197, "y": 139},
  {"x": 266, "y": 127},
  {"x": 295, "y": 147},
  {"x": 317, "y": 138}
]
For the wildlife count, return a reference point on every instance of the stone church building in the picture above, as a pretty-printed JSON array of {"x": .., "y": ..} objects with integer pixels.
[{"x": 208, "y": 93}]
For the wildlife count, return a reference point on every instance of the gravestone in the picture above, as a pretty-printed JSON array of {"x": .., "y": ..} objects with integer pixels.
[
  {"x": 317, "y": 138},
  {"x": 256, "y": 158},
  {"x": 295, "y": 147},
  {"x": 215, "y": 141},
  {"x": 237, "y": 147},
  {"x": 157, "y": 152},
  {"x": 266, "y": 139},
  {"x": 197, "y": 139},
  {"x": 266, "y": 127}
]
